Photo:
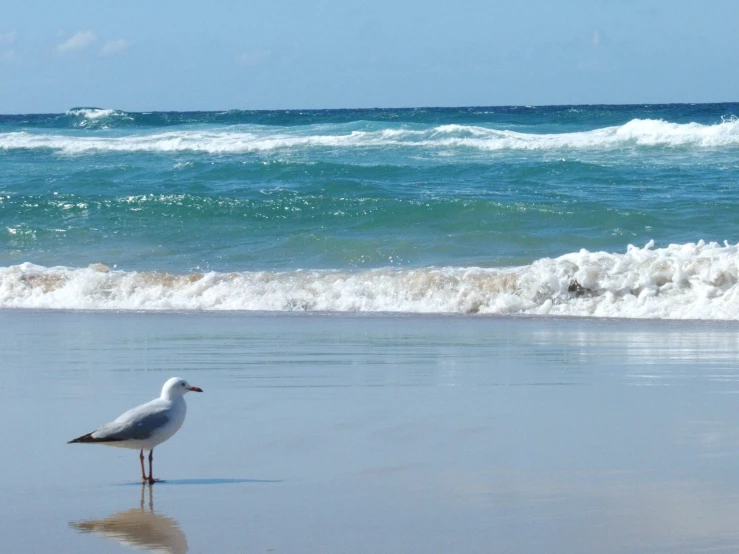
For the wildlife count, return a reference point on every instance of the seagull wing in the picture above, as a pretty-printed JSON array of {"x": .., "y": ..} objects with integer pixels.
[{"x": 140, "y": 423}]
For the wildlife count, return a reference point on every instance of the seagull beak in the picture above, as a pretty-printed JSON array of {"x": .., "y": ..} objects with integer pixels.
[{"x": 195, "y": 389}]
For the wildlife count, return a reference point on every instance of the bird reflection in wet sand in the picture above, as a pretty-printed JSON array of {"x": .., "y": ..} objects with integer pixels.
[{"x": 140, "y": 528}]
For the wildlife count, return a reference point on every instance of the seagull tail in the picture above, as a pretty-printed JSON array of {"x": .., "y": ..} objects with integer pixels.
[{"x": 85, "y": 438}]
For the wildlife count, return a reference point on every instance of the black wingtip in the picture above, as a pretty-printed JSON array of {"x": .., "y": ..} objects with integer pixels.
[
  {"x": 89, "y": 438},
  {"x": 83, "y": 438}
]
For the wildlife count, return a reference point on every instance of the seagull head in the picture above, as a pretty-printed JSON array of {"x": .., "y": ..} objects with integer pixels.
[{"x": 177, "y": 386}]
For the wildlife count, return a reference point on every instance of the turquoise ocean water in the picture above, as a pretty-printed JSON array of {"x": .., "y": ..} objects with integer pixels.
[{"x": 605, "y": 211}]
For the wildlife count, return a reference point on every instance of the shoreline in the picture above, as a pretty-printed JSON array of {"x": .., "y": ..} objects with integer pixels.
[
  {"x": 372, "y": 314},
  {"x": 375, "y": 433}
]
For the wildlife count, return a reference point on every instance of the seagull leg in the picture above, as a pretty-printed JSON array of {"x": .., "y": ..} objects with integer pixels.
[
  {"x": 141, "y": 458},
  {"x": 151, "y": 463}
]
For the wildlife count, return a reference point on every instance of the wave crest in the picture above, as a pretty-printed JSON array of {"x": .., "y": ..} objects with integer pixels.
[
  {"x": 95, "y": 117},
  {"x": 689, "y": 281},
  {"x": 256, "y": 138}
]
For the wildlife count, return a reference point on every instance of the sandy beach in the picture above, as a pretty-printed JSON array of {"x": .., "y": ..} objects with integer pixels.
[{"x": 373, "y": 433}]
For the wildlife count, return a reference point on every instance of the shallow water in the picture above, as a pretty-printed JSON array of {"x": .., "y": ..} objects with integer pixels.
[{"x": 375, "y": 433}]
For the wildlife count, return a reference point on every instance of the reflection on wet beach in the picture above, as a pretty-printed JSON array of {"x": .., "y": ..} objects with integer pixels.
[
  {"x": 608, "y": 511},
  {"x": 374, "y": 434},
  {"x": 141, "y": 528}
]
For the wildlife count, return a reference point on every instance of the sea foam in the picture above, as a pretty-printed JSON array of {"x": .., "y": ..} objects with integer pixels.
[
  {"x": 92, "y": 113},
  {"x": 680, "y": 281},
  {"x": 261, "y": 138},
  {"x": 95, "y": 118}
]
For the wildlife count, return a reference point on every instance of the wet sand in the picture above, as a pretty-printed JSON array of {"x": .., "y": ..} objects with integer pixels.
[{"x": 373, "y": 433}]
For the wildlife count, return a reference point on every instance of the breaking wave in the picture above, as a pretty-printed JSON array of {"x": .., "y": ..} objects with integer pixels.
[
  {"x": 680, "y": 281},
  {"x": 95, "y": 118},
  {"x": 259, "y": 138},
  {"x": 92, "y": 113}
]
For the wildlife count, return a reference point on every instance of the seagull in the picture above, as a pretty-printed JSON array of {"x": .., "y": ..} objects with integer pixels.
[{"x": 146, "y": 426}]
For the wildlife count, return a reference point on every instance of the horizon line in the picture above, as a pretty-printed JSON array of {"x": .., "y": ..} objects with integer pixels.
[{"x": 375, "y": 108}]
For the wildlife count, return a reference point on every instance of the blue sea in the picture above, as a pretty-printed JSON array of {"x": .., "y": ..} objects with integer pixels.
[{"x": 595, "y": 211}]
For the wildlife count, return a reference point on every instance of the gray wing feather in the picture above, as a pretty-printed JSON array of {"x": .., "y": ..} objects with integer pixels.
[{"x": 139, "y": 426}]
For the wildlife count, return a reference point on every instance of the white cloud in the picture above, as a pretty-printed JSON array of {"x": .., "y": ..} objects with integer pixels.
[
  {"x": 6, "y": 39},
  {"x": 114, "y": 47},
  {"x": 596, "y": 38},
  {"x": 81, "y": 39},
  {"x": 254, "y": 57},
  {"x": 7, "y": 53}
]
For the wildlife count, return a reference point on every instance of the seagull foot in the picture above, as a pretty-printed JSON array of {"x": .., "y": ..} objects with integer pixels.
[{"x": 152, "y": 481}]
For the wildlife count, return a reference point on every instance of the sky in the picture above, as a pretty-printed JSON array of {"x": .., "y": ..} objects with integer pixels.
[{"x": 290, "y": 54}]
